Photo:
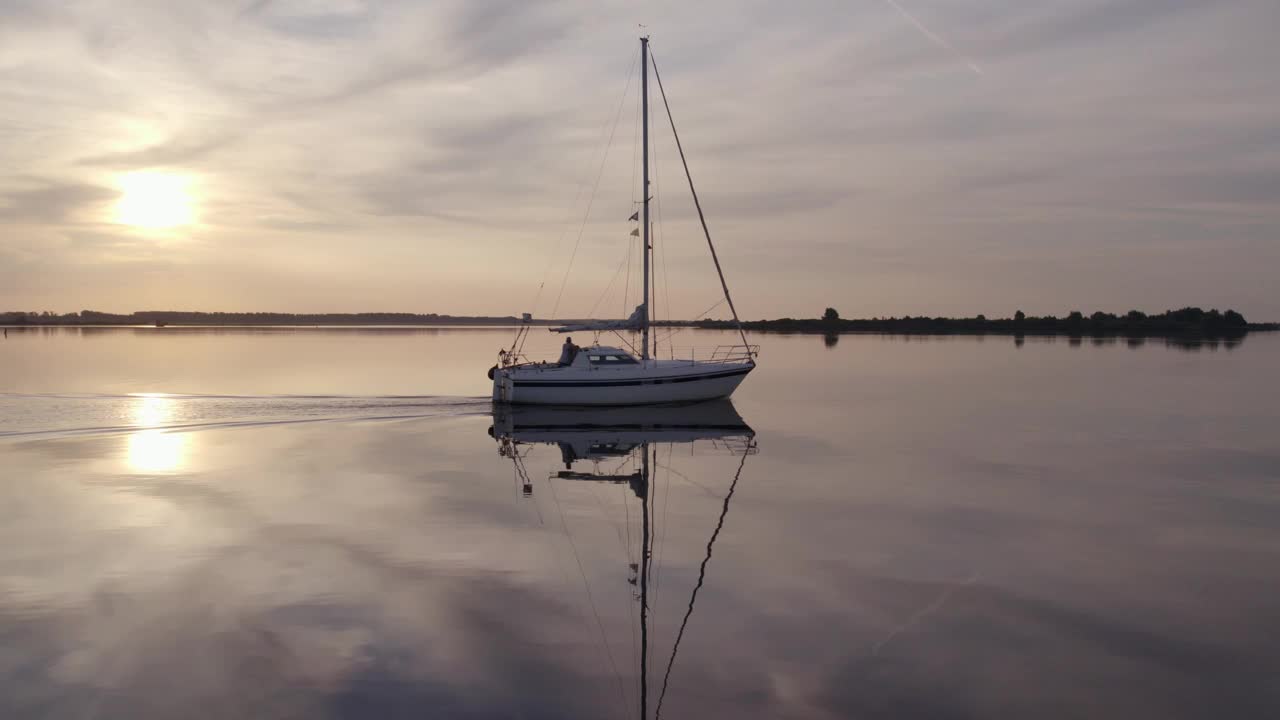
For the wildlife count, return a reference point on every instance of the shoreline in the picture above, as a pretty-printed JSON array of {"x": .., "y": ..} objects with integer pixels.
[
  {"x": 1187, "y": 323},
  {"x": 1002, "y": 332},
  {"x": 753, "y": 327}
]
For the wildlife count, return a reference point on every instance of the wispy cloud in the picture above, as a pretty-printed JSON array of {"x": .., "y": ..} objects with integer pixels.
[
  {"x": 435, "y": 150},
  {"x": 51, "y": 202},
  {"x": 934, "y": 37}
]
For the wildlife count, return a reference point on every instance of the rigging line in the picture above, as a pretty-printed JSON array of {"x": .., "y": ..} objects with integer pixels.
[
  {"x": 670, "y": 335},
  {"x": 702, "y": 576},
  {"x": 666, "y": 500},
  {"x": 539, "y": 510},
  {"x": 626, "y": 291},
  {"x": 631, "y": 621},
  {"x": 635, "y": 152},
  {"x": 515, "y": 479},
  {"x": 688, "y": 479},
  {"x": 590, "y": 598},
  {"x": 564, "y": 574},
  {"x": 715, "y": 305},
  {"x": 608, "y": 516},
  {"x": 635, "y": 172},
  {"x": 666, "y": 283},
  {"x": 591, "y": 199},
  {"x": 626, "y": 509},
  {"x": 578, "y": 194},
  {"x": 659, "y": 537},
  {"x": 651, "y": 301},
  {"x": 617, "y": 469},
  {"x": 658, "y": 528},
  {"x": 653, "y": 504},
  {"x": 662, "y": 242},
  {"x": 698, "y": 205},
  {"x": 524, "y": 476},
  {"x": 625, "y": 341},
  {"x": 701, "y": 315},
  {"x": 631, "y": 608},
  {"x": 517, "y": 347},
  {"x": 607, "y": 288}
]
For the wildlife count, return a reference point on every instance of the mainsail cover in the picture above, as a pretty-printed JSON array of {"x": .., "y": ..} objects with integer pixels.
[{"x": 632, "y": 323}]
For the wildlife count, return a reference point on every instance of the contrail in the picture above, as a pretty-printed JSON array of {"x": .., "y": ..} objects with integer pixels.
[{"x": 932, "y": 36}]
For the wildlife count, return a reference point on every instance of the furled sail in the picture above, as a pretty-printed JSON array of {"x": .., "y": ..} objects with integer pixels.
[{"x": 632, "y": 323}]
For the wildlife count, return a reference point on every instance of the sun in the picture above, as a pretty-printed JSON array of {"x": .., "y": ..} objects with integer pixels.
[{"x": 154, "y": 200}]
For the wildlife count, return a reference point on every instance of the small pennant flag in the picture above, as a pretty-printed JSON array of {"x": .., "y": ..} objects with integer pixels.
[
  {"x": 634, "y": 216},
  {"x": 635, "y": 233}
]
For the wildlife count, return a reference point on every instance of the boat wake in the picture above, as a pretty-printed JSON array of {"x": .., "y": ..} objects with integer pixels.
[{"x": 60, "y": 414}]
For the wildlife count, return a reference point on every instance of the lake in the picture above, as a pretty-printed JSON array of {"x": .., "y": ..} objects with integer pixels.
[{"x": 332, "y": 522}]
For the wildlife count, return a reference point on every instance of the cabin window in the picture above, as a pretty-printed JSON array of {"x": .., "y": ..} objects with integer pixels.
[{"x": 611, "y": 360}]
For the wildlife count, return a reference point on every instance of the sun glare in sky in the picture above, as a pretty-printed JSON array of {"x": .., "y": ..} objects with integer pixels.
[{"x": 154, "y": 200}]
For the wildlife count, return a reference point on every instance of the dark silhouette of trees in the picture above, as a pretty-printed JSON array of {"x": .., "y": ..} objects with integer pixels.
[
  {"x": 173, "y": 317},
  {"x": 1190, "y": 322}
]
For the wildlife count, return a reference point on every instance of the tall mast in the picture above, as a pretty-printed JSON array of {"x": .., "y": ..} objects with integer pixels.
[{"x": 644, "y": 188}]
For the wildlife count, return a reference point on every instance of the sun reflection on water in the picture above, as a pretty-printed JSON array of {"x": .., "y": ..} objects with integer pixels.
[
  {"x": 152, "y": 449},
  {"x": 151, "y": 410},
  {"x": 156, "y": 451}
]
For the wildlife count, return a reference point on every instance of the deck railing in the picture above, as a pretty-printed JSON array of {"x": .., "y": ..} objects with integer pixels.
[
  {"x": 694, "y": 355},
  {"x": 729, "y": 353},
  {"x": 718, "y": 354}
]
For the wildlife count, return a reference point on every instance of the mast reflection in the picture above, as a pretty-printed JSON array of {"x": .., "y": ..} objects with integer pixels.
[{"x": 632, "y": 437}]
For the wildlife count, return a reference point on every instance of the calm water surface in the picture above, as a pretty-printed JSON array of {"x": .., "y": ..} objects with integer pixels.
[{"x": 317, "y": 523}]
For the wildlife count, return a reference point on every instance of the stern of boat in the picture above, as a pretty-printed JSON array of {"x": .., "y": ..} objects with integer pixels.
[{"x": 502, "y": 386}]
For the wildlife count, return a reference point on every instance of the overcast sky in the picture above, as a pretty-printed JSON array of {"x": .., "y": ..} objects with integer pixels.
[{"x": 930, "y": 157}]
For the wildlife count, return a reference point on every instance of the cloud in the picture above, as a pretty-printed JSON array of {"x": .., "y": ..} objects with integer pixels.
[
  {"x": 468, "y": 125},
  {"x": 51, "y": 202},
  {"x": 173, "y": 152}
]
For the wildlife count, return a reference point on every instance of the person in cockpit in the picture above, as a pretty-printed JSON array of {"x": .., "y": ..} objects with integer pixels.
[{"x": 568, "y": 352}]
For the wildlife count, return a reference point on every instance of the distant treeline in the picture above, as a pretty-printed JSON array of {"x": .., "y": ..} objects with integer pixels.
[
  {"x": 173, "y": 317},
  {"x": 1187, "y": 322}
]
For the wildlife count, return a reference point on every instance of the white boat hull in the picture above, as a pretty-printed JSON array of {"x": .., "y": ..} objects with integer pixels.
[{"x": 642, "y": 384}]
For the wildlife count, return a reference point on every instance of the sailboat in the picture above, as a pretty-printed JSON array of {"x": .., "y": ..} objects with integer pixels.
[
  {"x": 606, "y": 441},
  {"x": 610, "y": 375}
]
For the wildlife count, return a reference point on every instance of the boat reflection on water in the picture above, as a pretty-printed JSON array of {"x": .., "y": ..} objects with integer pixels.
[
  {"x": 599, "y": 433},
  {"x": 621, "y": 446}
]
